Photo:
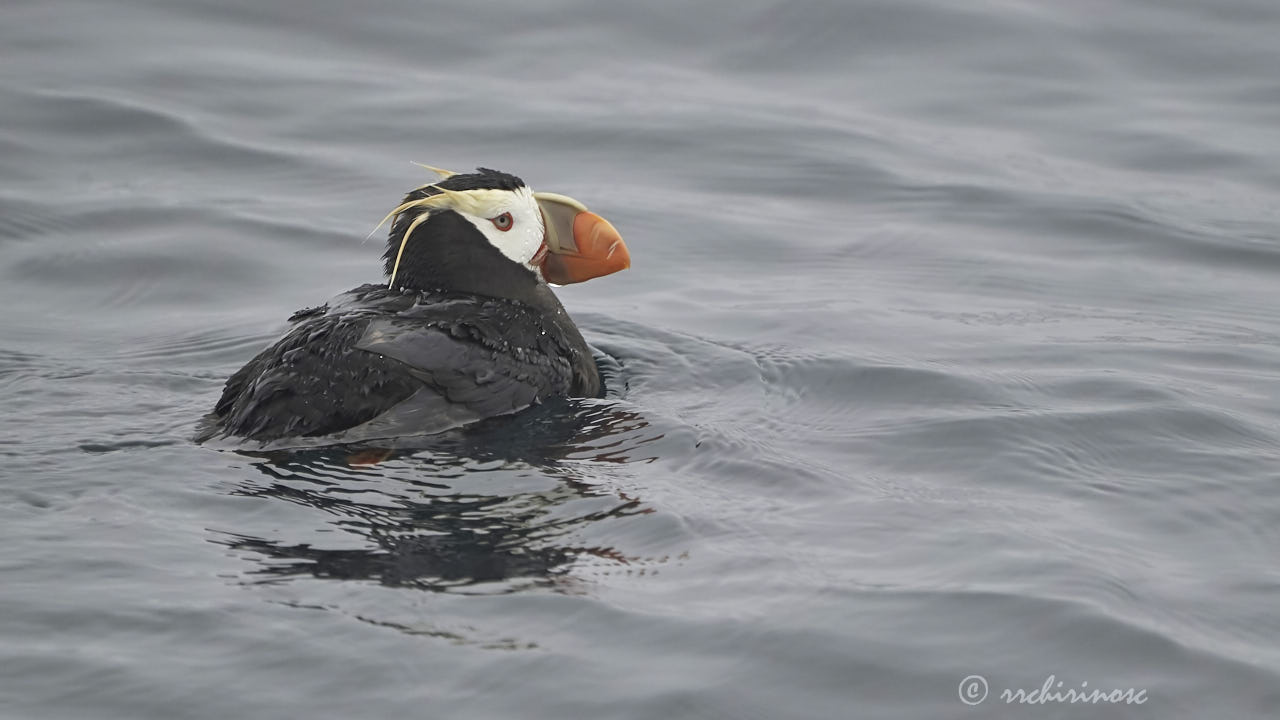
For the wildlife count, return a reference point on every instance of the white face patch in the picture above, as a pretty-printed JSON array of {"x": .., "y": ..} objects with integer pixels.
[{"x": 521, "y": 241}]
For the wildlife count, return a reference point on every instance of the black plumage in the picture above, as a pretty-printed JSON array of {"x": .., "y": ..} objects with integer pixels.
[{"x": 465, "y": 334}]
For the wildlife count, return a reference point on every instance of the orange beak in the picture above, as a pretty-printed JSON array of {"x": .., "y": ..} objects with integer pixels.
[{"x": 580, "y": 244}]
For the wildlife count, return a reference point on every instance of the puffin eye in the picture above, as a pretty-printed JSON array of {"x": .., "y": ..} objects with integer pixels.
[{"x": 503, "y": 222}]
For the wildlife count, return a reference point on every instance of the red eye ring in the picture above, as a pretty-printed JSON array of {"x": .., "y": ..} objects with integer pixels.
[{"x": 503, "y": 222}]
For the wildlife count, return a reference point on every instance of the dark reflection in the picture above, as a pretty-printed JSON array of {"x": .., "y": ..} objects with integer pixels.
[{"x": 497, "y": 508}]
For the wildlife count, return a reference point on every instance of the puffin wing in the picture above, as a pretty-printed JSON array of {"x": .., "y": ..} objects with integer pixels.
[
  {"x": 312, "y": 382},
  {"x": 472, "y": 372}
]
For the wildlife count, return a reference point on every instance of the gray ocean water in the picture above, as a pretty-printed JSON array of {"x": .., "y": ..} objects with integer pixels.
[{"x": 951, "y": 348}]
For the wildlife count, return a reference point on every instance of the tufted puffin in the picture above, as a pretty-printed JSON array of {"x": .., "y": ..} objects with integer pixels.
[{"x": 465, "y": 328}]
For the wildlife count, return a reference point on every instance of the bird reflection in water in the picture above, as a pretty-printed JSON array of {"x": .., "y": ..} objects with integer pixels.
[{"x": 431, "y": 517}]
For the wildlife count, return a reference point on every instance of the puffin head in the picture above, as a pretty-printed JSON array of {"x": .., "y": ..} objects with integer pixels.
[{"x": 487, "y": 233}]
